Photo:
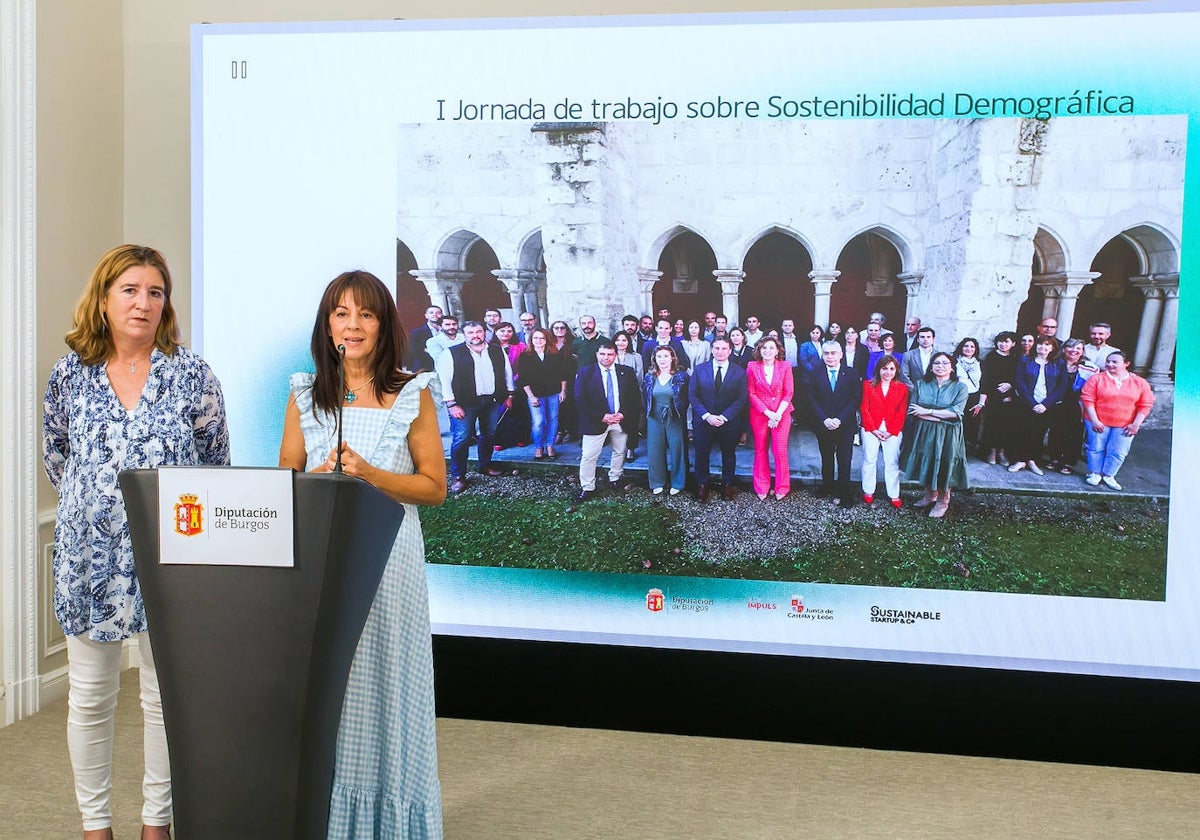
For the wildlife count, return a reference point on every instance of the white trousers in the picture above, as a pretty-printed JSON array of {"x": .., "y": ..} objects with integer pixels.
[
  {"x": 590, "y": 456},
  {"x": 891, "y": 464},
  {"x": 94, "y": 673}
]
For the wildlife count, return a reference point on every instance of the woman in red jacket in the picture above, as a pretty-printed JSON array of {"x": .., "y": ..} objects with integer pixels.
[{"x": 884, "y": 408}]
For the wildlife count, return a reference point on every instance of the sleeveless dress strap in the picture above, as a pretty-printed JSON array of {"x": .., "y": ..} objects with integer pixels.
[{"x": 408, "y": 404}]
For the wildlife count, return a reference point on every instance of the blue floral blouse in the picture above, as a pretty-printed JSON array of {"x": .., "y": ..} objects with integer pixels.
[{"x": 88, "y": 437}]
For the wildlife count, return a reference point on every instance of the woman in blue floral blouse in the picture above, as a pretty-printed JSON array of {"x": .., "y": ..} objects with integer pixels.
[{"x": 127, "y": 396}]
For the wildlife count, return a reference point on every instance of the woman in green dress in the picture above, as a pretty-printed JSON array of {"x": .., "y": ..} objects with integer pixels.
[{"x": 934, "y": 453}]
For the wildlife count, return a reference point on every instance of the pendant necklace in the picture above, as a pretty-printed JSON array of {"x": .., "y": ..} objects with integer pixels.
[{"x": 350, "y": 395}]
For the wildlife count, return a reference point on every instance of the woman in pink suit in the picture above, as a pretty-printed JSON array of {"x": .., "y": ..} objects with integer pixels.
[{"x": 770, "y": 389}]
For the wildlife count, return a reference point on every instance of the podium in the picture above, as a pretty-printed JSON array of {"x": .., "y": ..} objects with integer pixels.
[{"x": 252, "y": 661}]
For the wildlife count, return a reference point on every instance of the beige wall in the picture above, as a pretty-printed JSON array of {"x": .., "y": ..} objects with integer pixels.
[{"x": 80, "y": 176}]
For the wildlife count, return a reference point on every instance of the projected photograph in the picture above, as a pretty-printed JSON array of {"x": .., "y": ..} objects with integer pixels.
[{"x": 1015, "y": 241}]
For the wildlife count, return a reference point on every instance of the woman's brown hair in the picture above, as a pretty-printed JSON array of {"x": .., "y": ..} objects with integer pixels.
[
  {"x": 89, "y": 335},
  {"x": 369, "y": 293}
]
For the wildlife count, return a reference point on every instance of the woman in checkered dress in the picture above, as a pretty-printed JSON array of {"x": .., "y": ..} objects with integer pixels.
[{"x": 385, "y": 780}]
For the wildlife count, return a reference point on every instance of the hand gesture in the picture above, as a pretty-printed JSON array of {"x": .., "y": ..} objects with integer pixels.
[{"x": 352, "y": 463}]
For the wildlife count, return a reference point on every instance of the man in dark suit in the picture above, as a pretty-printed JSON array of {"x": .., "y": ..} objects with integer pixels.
[
  {"x": 834, "y": 394},
  {"x": 718, "y": 398},
  {"x": 418, "y": 359},
  {"x": 608, "y": 399}
]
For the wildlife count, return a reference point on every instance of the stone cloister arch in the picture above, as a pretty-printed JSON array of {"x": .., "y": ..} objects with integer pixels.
[
  {"x": 686, "y": 283},
  {"x": 1053, "y": 287},
  {"x": 464, "y": 257},
  {"x": 1132, "y": 283},
  {"x": 526, "y": 284},
  {"x": 777, "y": 279},
  {"x": 871, "y": 277},
  {"x": 412, "y": 297}
]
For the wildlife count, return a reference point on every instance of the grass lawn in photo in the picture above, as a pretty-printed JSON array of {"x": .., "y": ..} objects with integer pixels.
[{"x": 1093, "y": 546}]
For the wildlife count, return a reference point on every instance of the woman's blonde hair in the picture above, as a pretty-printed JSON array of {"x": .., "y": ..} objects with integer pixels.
[{"x": 89, "y": 335}]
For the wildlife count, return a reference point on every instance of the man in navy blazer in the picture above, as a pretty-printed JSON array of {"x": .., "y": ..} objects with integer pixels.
[
  {"x": 608, "y": 400},
  {"x": 834, "y": 395},
  {"x": 717, "y": 415},
  {"x": 418, "y": 359}
]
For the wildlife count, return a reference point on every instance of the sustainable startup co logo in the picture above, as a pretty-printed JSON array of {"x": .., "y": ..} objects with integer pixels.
[{"x": 189, "y": 515}]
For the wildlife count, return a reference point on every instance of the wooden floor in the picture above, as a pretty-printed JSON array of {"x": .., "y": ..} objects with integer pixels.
[{"x": 518, "y": 782}]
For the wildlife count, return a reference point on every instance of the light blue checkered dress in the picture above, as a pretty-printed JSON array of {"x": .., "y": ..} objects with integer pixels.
[{"x": 385, "y": 782}]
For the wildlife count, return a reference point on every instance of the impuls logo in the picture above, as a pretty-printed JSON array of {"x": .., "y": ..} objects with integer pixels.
[{"x": 189, "y": 515}]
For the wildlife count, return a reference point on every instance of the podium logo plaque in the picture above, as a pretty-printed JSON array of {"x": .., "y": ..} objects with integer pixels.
[{"x": 210, "y": 516}]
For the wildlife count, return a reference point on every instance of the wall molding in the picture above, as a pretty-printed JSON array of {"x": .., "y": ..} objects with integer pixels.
[
  {"x": 54, "y": 686},
  {"x": 21, "y": 686}
]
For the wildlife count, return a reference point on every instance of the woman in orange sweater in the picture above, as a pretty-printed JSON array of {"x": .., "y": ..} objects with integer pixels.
[
  {"x": 1115, "y": 404},
  {"x": 884, "y": 407}
]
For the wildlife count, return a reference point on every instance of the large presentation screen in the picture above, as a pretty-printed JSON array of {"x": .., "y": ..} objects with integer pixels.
[{"x": 983, "y": 170}]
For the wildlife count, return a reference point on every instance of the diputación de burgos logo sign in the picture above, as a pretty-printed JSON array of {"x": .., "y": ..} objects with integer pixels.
[
  {"x": 885, "y": 616},
  {"x": 656, "y": 601}
]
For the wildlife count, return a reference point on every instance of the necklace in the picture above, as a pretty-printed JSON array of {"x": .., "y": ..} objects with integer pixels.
[
  {"x": 350, "y": 395},
  {"x": 132, "y": 366}
]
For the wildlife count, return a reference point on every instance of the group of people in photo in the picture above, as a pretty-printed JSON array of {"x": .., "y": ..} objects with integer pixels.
[{"x": 689, "y": 386}]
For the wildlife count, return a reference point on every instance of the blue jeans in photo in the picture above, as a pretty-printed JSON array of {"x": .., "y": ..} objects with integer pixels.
[
  {"x": 487, "y": 414},
  {"x": 544, "y": 421},
  {"x": 1106, "y": 450}
]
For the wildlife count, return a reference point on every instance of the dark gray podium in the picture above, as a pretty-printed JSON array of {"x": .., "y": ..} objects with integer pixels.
[{"x": 252, "y": 661}]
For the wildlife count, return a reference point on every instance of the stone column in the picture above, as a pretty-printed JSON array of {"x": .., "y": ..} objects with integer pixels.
[
  {"x": 531, "y": 298},
  {"x": 1073, "y": 284},
  {"x": 731, "y": 281},
  {"x": 1168, "y": 330},
  {"x": 444, "y": 287},
  {"x": 1148, "y": 329},
  {"x": 521, "y": 285},
  {"x": 508, "y": 276},
  {"x": 822, "y": 282},
  {"x": 1052, "y": 286},
  {"x": 911, "y": 281},
  {"x": 428, "y": 278},
  {"x": 647, "y": 277}
]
